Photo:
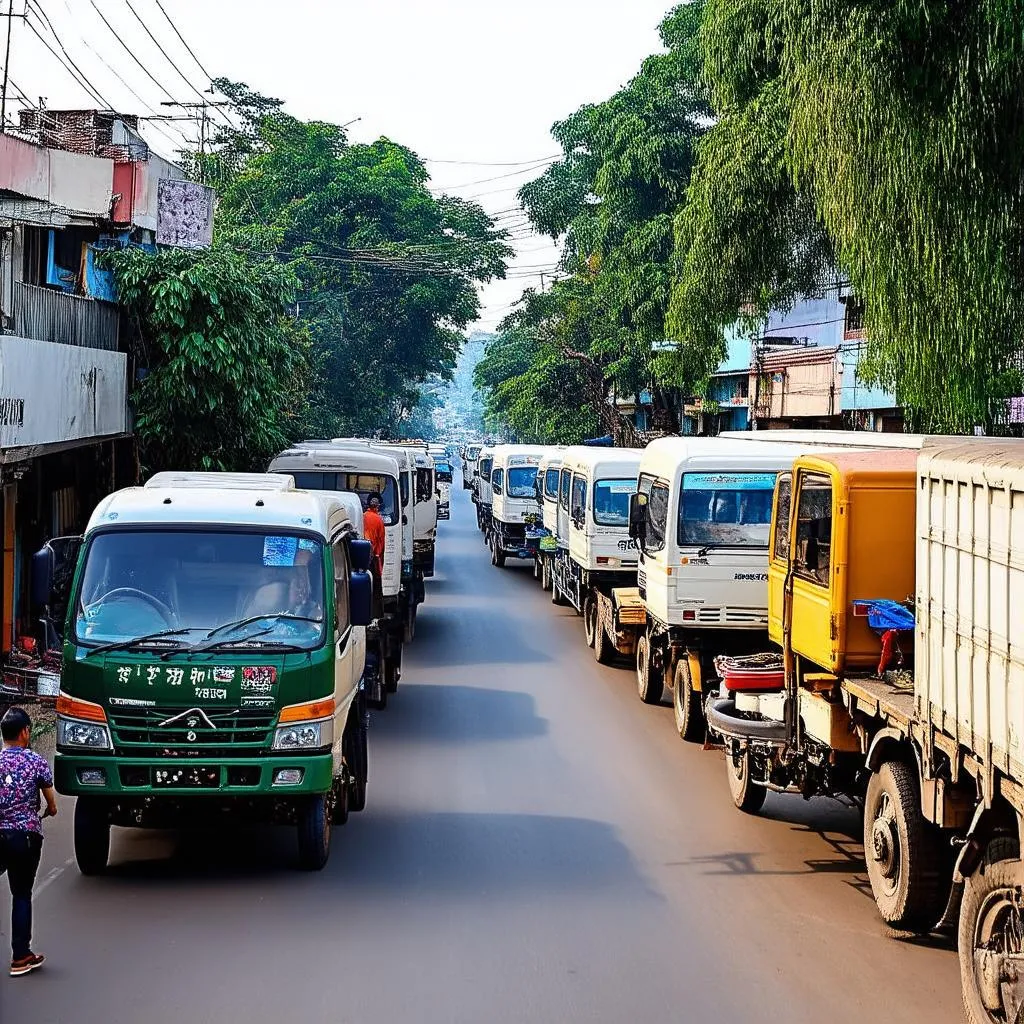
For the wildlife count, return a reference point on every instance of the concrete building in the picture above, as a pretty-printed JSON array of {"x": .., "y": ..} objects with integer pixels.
[{"x": 72, "y": 183}]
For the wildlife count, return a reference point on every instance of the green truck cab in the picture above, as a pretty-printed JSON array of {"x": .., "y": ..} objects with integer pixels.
[{"x": 214, "y": 648}]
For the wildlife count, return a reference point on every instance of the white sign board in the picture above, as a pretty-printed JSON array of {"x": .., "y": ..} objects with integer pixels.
[
  {"x": 184, "y": 214},
  {"x": 52, "y": 394}
]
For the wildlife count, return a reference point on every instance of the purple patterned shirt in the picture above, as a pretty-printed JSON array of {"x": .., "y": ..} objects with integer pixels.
[{"x": 23, "y": 773}]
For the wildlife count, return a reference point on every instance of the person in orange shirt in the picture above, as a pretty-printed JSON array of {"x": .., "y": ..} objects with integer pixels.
[{"x": 373, "y": 527}]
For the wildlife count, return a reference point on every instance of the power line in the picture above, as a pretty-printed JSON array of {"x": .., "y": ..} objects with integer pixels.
[
  {"x": 131, "y": 53},
  {"x": 71, "y": 67},
  {"x": 497, "y": 177},
  {"x": 486, "y": 163}
]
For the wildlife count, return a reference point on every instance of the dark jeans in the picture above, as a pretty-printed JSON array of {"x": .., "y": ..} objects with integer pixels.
[{"x": 19, "y": 857}]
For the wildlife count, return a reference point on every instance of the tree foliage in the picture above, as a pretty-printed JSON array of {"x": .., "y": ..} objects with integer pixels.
[
  {"x": 224, "y": 366},
  {"x": 610, "y": 198},
  {"x": 886, "y": 138}
]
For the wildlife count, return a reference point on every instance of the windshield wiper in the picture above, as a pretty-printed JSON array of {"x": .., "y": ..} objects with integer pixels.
[
  {"x": 228, "y": 627},
  {"x": 137, "y": 641},
  {"x": 707, "y": 547}
]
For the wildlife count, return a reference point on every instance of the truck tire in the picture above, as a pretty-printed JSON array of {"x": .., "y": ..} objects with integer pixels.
[
  {"x": 686, "y": 704},
  {"x": 556, "y": 594},
  {"x": 314, "y": 833},
  {"x": 497, "y": 555},
  {"x": 536, "y": 568},
  {"x": 591, "y": 622},
  {"x": 903, "y": 851},
  {"x": 988, "y": 913},
  {"x": 545, "y": 574},
  {"x": 392, "y": 673},
  {"x": 409, "y": 626},
  {"x": 649, "y": 683},
  {"x": 746, "y": 795},
  {"x": 357, "y": 757},
  {"x": 92, "y": 836}
]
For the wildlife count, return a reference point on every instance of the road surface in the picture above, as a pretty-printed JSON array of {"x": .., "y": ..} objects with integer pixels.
[{"x": 538, "y": 846}]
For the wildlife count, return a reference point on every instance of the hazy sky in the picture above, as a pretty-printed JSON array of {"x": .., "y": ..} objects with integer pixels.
[{"x": 477, "y": 81}]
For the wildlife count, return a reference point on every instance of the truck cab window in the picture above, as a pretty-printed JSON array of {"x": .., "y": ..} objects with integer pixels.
[
  {"x": 497, "y": 476},
  {"x": 655, "y": 513},
  {"x": 579, "y": 497},
  {"x": 551, "y": 484},
  {"x": 342, "y": 616},
  {"x": 813, "y": 549},
  {"x": 563, "y": 489},
  {"x": 783, "y": 502}
]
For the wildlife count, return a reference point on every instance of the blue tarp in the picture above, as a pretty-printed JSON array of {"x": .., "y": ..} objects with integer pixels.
[{"x": 885, "y": 615}]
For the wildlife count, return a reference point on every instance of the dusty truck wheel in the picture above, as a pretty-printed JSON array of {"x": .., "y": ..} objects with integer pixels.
[
  {"x": 357, "y": 758},
  {"x": 92, "y": 836},
  {"x": 989, "y": 938},
  {"x": 497, "y": 555},
  {"x": 545, "y": 574},
  {"x": 746, "y": 795},
  {"x": 686, "y": 704},
  {"x": 902, "y": 850},
  {"x": 604, "y": 650},
  {"x": 392, "y": 673},
  {"x": 314, "y": 833},
  {"x": 409, "y": 627},
  {"x": 590, "y": 619},
  {"x": 649, "y": 683},
  {"x": 556, "y": 594}
]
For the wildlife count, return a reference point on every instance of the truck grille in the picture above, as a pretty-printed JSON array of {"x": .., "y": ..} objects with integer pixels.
[
  {"x": 235, "y": 732},
  {"x": 733, "y": 616}
]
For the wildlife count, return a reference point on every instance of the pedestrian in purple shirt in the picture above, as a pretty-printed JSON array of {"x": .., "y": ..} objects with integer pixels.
[{"x": 24, "y": 776}]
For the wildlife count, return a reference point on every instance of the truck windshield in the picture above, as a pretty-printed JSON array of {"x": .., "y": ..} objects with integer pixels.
[
  {"x": 472, "y": 452},
  {"x": 139, "y": 582},
  {"x": 444, "y": 473},
  {"x": 363, "y": 484},
  {"x": 519, "y": 482},
  {"x": 611, "y": 501},
  {"x": 726, "y": 509}
]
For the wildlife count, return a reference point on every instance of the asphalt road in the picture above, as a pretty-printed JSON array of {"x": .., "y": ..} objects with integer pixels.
[{"x": 538, "y": 846}]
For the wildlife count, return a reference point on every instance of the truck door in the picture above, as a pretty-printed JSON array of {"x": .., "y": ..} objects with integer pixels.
[
  {"x": 811, "y": 547},
  {"x": 778, "y": 556}
]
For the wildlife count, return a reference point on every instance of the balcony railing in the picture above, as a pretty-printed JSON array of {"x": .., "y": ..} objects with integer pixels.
[{"x": 47, "y": 314}]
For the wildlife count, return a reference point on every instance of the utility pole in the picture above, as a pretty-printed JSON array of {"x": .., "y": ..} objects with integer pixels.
[
  {"x": 203, "y": 106},
  {"x": 10, "y": 16}
]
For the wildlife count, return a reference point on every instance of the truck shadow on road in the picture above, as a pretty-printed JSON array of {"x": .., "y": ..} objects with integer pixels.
[
  {"x": 452, "y": 637},
  {"x": 449, "y": 713},
  {"x": 485, "y": 858}
]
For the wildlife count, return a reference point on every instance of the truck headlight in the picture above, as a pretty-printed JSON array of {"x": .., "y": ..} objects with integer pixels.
[
  {"x": 71, "y": 733},
  {"x": 304, "y": 735}
]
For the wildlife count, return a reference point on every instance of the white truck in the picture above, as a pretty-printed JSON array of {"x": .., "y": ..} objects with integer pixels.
[
  {"x": 598, "y": 556},
  {"x": 700, "y": 518},
  {"x": 546, "y": 488},
  {"x": 513, "y": 472},
  {"x": 445, "y": 475},
  {"x": 469, "y": 458},
  {"x": 360, "y": 471},
  {"x": 481, "y": 487}
]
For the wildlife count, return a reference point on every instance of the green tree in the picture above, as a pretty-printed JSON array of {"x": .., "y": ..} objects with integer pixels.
[
  {"x": 388, "y": 271},
  {"x": 886, "y": 139},
  {"x": 225, "y": 365}
]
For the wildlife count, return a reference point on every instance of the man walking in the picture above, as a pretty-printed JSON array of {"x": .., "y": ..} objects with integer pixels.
[{"x": 24, "y": 775}]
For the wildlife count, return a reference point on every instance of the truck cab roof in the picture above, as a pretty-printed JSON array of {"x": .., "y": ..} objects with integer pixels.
[{"x": 222, "y": 481}]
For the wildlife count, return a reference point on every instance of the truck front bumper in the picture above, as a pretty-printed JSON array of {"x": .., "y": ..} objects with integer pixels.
[{"x": 110, "y": 776}]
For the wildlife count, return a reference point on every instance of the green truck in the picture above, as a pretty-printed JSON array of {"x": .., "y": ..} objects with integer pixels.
[{"x": 214, "y": 647}]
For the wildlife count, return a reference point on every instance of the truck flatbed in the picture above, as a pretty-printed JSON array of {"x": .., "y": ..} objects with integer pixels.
[{"x": 890, "y": 697}]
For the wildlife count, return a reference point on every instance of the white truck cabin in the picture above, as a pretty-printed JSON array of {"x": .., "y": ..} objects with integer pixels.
[
  {"x": 513, "y": 500},
  {"x": 481, "y": 487}
]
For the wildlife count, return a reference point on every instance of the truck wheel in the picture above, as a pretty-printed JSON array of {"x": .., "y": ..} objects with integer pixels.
[
  {"x": 590, "y": 619},
  {"x": 536, "y": 568},
  {"x": 497, "y": 555},
  {"x": 989, "y": 937},
  {"x": 357, "y": 759},
  {"x": 648, "y": 682},
  {"x": 409, "y": 627},
  {"x": 746, "y": 795},
  {"x": 314, "y": 834},
  {"x": 92, "y": 836},
  {"x": 902, "y": 850},
  {"x": 392, "y": 674},
  {"x": 686, "y": 704},
  {"x": 556, "y": 594},
  {"x": 604, "y": 650},
  {"x": 545, "y": 574}
]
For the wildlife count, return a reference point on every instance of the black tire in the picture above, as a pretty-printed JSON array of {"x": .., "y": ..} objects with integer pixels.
[
  {"x": 649, "y": 683},
  {"x": 314, "y": 834},
  {"x": 409, "y": 626},
  {"x": 497, "y": 555},
  {"x": 545, "y": 574},
  {"x": 339, "y": 806},
  {"x": 357, "y": 756},
  {"x": 391, "y": 675},
  {"x": 988, "y": 913},
  {"x": 904, "y": 852},
  {"x": 92, "y": 836},
  {"x": 591, "y": 623},
  {"x": 686, "y": 704},
  {"x": 556, "y": 594},
  {"x": 536, "y": 568},
  {"x": 746, "y": 795}
]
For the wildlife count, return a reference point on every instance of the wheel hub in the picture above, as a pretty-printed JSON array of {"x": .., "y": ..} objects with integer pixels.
[{"x": 885, "y": 842}]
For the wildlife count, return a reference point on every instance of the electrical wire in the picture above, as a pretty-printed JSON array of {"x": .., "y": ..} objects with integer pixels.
[
  {"x": 497, "y": 177},
  {"x": 131, "y": 53},
  {"x": 159, "y": 46},
  {"x": 71, "y": 67},
  {"x": 487, "y": 163}
]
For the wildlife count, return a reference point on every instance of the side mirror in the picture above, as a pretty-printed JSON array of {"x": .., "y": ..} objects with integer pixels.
[
  {"x": 41, "y": 583},
  {"x": 360, "y": 596},
  {"x": 361, "y": 554},
  {"x": 638, "y": 516}
]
